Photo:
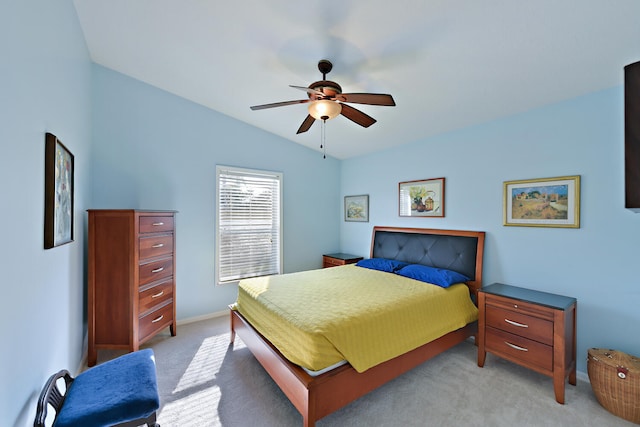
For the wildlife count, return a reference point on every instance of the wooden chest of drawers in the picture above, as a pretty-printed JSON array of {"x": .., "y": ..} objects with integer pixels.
[
  {"x": 131, "y": 278},
  {"x": 533, "y": 329},
  {"x": 332, "y": 260}
]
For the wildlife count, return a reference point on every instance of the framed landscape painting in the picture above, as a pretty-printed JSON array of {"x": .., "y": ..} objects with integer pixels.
[
  {"x": 423, "y": 198},
  {"x": 545, "y": 202},
  {"x": 356, "y": 208},
  {"x": 58, "y": 193}
]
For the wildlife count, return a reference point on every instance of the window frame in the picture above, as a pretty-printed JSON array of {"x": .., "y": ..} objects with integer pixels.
[{"x": 279, "y": 176}]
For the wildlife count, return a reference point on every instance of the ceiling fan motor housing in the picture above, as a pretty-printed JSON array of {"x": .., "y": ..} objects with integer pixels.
[{"x": 329, "y": 88}]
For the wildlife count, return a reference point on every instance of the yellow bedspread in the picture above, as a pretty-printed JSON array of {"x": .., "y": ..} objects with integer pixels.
[{"x": 320, "y": 317}]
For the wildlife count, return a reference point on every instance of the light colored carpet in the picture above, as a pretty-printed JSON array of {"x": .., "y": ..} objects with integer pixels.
[{"x": 205, "y": 382}]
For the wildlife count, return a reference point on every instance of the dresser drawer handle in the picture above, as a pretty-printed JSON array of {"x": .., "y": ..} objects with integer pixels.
[
  {"x": 520, "y": 325},
  {"x": 157, "y": 224},
  {"x": 158, "y": 245},
  {"x": 516, "y": 347},
  {"x": 157, "y": 270},
  {"x": 159, "y": 294},
  {"x": 158, "y": 319}
]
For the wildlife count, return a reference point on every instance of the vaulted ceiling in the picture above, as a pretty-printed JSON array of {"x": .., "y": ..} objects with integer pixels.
[{"x": 449, "y": 64}]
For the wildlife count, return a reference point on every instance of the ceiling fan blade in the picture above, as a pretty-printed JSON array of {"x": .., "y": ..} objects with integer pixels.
[
  {"x": 367, "y": 98},
  {"x": 357, "y": 116},
  {"x": 308, "y": 90},
  {"x": 306, "y": 124},
  {"x": 279, "y": 104}
]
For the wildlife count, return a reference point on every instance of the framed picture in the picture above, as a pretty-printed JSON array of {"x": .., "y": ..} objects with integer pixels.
[
  {"x": 423, "y": 198},
  {"x": 546, "y": 202},
  {"x": 58, "y": 193},
  {"x": 356, "y": 208}
]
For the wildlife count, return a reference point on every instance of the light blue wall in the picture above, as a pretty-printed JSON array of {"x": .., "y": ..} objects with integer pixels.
[
  {"x": 45, "y": 75},
  {"x": 153, "y": 150},
  {"x": 596, "y": 263}
]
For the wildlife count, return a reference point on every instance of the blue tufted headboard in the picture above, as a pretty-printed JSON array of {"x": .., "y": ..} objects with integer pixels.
[{"x": 456, "y": 250}]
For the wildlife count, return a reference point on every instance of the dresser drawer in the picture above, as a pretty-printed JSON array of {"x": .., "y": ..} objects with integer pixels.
[
  {"x": 151, "y": 296},
  {"x": 519, "y": 349},
  {"x": 155, "y": 246},
  {"x": 155, "y": 270},
  {"x": 521, "y": 324},
  {"x": 153, "y": 321},
  {"x": 156, "y": 224}
]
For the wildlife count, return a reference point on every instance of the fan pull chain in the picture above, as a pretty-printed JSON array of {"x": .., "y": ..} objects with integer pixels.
[{"x": 323, "y": 137}]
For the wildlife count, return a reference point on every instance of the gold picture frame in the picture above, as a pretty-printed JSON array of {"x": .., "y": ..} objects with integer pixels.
[{"x": 542, "y": 202}]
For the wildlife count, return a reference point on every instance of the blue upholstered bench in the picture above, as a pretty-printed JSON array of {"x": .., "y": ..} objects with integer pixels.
[{"x": 120, "y": 392}]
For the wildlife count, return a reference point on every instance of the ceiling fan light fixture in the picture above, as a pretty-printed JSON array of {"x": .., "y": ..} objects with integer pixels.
[{"x": 324, "y": 109}]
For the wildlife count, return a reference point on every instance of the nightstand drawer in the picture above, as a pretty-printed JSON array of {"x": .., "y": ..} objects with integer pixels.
[
  {"x": 519, "y": 349},
  {"x": 521, "y": 324},
  {"x": 333, "y": 260},
  {"x": 520, "y": 306}
]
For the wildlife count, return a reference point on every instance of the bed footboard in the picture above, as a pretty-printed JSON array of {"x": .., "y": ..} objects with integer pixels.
[{"x": 317, "y": 397}]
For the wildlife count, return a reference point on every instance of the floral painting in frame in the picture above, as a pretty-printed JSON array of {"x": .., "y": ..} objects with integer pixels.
[{"x": 423, "y": 198}]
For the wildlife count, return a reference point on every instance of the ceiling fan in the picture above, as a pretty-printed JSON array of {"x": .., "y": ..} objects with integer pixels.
[{"x": 327, "y": 101}]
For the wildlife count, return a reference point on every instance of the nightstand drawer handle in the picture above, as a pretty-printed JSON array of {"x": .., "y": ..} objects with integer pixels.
[
  {"x": 157, "y": 270},
  {"x": 158, "y": 319},
  {"x": 517, "y": 347},
  {"x": 520, "y": 325},
  {"x": 158, "y": 245},
  {"x": 157, "y": 224},
  {"x": 159, "y": 294}
]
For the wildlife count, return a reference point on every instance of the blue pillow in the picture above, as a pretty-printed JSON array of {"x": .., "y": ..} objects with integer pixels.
[
  {"x": 436, "y": 276},
  {"x": 382, "y": 264}
]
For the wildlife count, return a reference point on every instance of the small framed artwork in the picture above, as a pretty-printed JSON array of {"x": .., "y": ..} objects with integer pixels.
[
  {"x": 545, "y": 202},
  {"x": 356, "y": 208},
  {"x": 424, "y": 198},
  {"x": 58, "y": 193}
]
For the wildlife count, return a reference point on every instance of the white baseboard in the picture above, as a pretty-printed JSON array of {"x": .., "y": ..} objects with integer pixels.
[{"x": 203, "y": 317}]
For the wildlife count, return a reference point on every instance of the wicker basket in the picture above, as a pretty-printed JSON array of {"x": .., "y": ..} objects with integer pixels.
[{"x": 615, "y": 379}]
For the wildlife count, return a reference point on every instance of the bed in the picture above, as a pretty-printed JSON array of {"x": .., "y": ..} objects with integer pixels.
[{"x": 316, "y": 395}]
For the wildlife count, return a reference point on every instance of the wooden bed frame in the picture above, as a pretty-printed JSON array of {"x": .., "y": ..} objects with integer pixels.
[{"x": 317, "y": 396}]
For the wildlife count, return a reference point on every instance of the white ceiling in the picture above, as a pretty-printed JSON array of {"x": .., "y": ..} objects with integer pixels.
[{"x": 448, "y": 63}]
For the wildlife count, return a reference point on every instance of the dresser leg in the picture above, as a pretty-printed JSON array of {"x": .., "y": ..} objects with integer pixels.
[
  {"x": 558, "y": 388},
  {"x": 92, "y": 357}
]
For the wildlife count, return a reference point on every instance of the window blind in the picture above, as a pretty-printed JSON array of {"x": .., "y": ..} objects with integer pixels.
[{"x": 249, "y": 223}]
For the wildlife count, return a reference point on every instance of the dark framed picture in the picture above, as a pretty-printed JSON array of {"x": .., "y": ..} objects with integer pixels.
[
  {"x": 58, "y": 193},
  {"x": 423, "y": 198},
  {"x": 356, "y": 208},
  {"x": 545, "y": 202}
]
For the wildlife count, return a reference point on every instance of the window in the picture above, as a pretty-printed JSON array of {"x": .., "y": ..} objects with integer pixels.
[{"x": 248, "y": 223}]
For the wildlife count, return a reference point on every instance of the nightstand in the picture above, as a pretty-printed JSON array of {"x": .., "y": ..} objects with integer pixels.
[
  {"x": 534, "y": 329},
  {"x": 332, "y": 260}
]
